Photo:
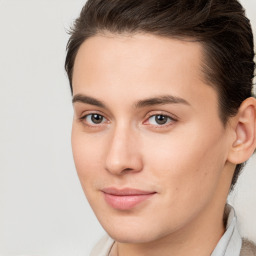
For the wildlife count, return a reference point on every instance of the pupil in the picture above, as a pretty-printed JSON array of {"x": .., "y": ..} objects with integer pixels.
[
  {"x": 97, "y": 119},
  {"x": 160, "y": 119}
]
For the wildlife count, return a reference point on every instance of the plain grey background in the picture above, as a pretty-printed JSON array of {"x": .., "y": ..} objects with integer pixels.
[{"x": 43, "y": 211}]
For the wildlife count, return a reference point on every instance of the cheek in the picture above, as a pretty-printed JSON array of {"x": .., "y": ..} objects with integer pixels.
[
  {"x": 187, "y": 170},
  {"x": 87, "y": 156},
  {"x": 188, "y": 165}
]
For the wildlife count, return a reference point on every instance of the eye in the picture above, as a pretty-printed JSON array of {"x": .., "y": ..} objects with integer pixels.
[
  {"x": 159, "y": 120},
  {"x": 93, "y": 119}
]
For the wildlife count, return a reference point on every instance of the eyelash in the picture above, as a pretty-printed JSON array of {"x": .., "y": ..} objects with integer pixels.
[
  {"x": 83, "y": 120},
  {"x": 170, "y": 119}
]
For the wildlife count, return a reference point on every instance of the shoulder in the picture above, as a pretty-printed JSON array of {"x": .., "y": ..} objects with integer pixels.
[
  {"x": 248, "y": 248},
  {"x": 102, "y": 248}
]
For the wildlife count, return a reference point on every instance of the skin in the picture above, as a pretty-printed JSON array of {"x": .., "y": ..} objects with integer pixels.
[{"x": 185, "y": 161}]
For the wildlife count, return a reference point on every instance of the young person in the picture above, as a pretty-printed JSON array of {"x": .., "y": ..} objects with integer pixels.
[{"x": 164, "y": 119}]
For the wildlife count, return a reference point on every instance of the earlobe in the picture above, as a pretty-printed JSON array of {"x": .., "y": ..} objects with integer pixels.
[{"x": 245, "y": 130}]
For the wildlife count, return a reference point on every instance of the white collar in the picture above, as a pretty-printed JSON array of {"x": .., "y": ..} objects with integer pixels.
[{"x": 231, "y": 242}]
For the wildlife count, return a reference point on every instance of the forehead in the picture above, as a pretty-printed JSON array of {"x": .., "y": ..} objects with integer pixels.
[
  {"x": 139, "y": 52},
  {"x": 141, "y": 65}
]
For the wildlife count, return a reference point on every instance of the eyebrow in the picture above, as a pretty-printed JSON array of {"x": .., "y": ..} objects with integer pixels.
[
  {"x": 88, "y": 100},
  {"x": 159, "y": 100}
]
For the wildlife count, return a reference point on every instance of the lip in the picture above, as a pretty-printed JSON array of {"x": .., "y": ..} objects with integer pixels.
[{"x": 127, "y": 198}]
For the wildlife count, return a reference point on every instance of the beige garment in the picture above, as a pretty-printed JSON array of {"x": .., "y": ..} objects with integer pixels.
[
  {"x": 248, "y": 248},
  {"x": 103, "y": 247}
]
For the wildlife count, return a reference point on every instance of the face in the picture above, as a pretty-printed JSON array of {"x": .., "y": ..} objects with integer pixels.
[{"x": 148, "y": 144}]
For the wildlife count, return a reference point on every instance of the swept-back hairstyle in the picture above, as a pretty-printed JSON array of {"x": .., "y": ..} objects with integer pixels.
[{"x": 219, "y": 25}]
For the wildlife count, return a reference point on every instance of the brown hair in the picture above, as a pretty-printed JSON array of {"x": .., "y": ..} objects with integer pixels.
[{"x": 220, "y": 25}]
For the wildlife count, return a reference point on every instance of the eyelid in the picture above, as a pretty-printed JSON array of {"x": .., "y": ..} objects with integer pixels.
[
  {"x": 84, "y": 115},
  {"x": 161, "y": 112},
  {"x": 171, "y": 116},
  {"x": 91, "y": 112}
]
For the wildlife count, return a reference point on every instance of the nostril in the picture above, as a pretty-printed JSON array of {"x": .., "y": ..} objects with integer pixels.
[
  {"x": 119, "y": 169},
  {"x": 127, "y": 170},
  {"x": 123, "y": 154}
]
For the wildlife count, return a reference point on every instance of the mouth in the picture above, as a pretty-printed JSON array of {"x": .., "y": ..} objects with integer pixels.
[{"x": 127, "y": 198}]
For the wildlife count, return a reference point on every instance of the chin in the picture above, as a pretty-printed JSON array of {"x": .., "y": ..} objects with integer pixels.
[
  {"x": 126, "y": 230},
  {"x": 132, "y": 231},
  {"x": 133, "y": 237}
]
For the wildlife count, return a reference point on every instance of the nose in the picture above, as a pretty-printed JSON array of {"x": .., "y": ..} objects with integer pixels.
[{"x": 123, "y": 154}]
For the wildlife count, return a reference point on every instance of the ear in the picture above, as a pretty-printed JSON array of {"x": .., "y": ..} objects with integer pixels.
[{"x": 244, "y": 126}]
